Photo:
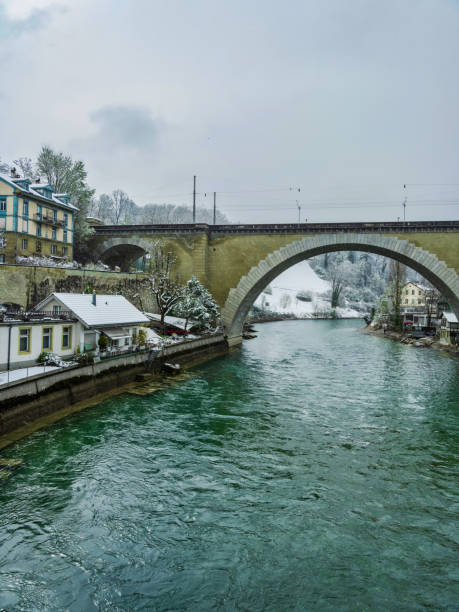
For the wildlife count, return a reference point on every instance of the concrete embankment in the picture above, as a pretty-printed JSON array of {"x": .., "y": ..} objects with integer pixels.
[
  {"x": 52, "y": 395},
  {"x": 404, "y": 338}
]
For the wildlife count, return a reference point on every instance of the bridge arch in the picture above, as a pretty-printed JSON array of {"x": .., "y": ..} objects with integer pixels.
[
  {"x": 121, "y": 252},
  {"x": 250, "y": 286}
]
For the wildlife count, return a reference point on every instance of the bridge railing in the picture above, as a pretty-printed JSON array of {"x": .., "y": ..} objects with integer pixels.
[{"x": 371, "y": 226}]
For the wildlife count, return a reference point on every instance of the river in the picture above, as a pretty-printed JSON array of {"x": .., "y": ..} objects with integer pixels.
[{"x": 315, "y": 469}]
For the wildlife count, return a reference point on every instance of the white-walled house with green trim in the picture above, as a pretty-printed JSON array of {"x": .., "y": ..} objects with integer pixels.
[
  {"x": 23, "y": 336},
  {"x": 64, "y": 323}
]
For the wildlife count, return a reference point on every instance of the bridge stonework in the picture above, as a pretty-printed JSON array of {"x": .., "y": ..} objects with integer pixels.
[{"x": 237, "y": 262}]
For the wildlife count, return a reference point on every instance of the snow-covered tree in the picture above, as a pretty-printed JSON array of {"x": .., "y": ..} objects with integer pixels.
[{"x": 197, "y": 304}]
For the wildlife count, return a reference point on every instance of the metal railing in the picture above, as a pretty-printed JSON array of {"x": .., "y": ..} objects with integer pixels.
[
  {"x": 282, "y": 228},
  {"x": 32, "y": 315},
  {"x": 41, "y": 218}
]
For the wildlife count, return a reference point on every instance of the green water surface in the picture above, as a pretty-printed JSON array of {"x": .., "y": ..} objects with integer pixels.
[{"x": 316, "y": 469}]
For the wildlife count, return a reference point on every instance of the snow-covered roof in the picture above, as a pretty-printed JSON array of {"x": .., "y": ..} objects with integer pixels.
[
  {"x": 418, "y": 285},
  {"x": 450, "y": 317},
  {"x": 15, "y": 182},
  {"x": 109, "y": 311},
  {"x": 175, "y": 321}
]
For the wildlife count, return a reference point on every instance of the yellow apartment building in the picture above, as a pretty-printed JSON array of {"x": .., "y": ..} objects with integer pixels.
[
  {"x": 34, "y": 220},
  {"x": 413, "y": 295}
]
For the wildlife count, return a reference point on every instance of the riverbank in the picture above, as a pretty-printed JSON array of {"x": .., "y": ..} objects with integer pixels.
[
  {"x": 29, "y": 405},
  {"x": 404, "y": 338},
  {"x": 274, "y": 317}
]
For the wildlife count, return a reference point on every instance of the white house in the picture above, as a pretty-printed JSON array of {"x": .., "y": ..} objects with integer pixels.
[
  {"x": 64, "y": 322},
  {"x": 24, "y": 335},
  {"x": 449, "y": 331},
  {"x": 111, "y": 315}
]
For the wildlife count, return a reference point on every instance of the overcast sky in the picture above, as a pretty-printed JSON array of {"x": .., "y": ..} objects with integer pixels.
[{"x": 346, "y": 100}]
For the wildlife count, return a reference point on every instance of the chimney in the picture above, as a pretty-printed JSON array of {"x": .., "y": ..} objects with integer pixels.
[{"x": 94, "y": 298}]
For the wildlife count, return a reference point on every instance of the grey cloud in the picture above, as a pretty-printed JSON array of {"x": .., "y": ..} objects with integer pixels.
[{"x": 121, "y": 127}]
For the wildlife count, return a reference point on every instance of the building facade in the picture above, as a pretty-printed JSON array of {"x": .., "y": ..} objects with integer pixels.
[
  {"x": 413, "y": 295},
  {"x": 24, "y": 336},
  {"x": 34, "y": 220}
]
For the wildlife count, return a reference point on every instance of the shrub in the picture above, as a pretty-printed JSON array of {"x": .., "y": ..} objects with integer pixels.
[
  {"x": 103, "y": 342},
  {"x": 141, "y": 337},
  {"x": 85, "y": 358}
]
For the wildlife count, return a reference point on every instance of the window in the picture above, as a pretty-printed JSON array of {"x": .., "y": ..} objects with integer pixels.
[
  {"x": 25, "y": 226},
  {"x": 2, "y": 204},
  {"x": 54, "y": 234},
  {"x": 406, "y": 301},
  {"x": 419, "y": 301},
  {"x": 24, "y": 340},
  {"x": 40, "y": 212},
  {"x": 57, "y": 309},
  {"x": 25, "y": 209},
  {"x": 54, "y": 216},
  {"x": 67, "y": 337},
  {"x": 2, "y": 259},
  {"x": 126, "y": 341},
  {"x": 419, "y": 292},
  {"x": 38, "y": 229},
  {"x": 406, "y": 291},
  {"x": 47, "y": 339},
  {"x": 53, "y": 249},
  {"x": 24, "y": 244},
  {"x": 38, "y": 246},
  {"x": 64, "y": 251},
  {"x": 65, "y": 236},
  {"x": 412, "y": 291},
  {"x": 66, "y": 219}
]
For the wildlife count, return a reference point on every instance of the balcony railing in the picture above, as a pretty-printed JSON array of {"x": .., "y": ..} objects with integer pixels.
[
  {"x": 49, "y": 219},
  {"x": 32, "y": 315}
]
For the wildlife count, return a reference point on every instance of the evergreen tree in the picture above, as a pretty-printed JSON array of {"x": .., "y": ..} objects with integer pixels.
[{"x": 197, "y": 304}]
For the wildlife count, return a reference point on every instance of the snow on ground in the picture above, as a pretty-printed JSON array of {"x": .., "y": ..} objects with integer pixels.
[
  {"x": 25, "y": 373},
  {"x": 287, "y": 285}
]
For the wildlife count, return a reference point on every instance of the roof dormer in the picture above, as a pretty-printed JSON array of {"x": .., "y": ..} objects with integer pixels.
[
  {"x": 23, "y": 183},
  {"x": 45, "y": 191},
  {"x": 63, "y": 197}
]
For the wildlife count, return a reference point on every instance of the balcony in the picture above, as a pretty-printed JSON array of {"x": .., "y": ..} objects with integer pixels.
[
  {"x": 31, "y": 315},
  {"x": 49, "y": 219}
]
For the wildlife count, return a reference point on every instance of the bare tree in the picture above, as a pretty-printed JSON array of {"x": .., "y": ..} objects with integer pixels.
[
  {"x": 121, "y": 202},
  {"x": 397, "y": 278},
  {"x": 432, "y": 298},
  {"x": 26, "y": 167},
  {"x": 166, "y": 290}
]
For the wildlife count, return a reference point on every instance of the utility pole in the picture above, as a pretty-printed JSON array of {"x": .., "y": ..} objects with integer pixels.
[
  {"x": 215, "y": 207},
  {"x": 404, "y": 203},
  {"x": 194, "y": 199}
]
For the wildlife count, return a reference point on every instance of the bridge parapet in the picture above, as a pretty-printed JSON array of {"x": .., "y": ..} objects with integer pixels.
[{"x": 280, "y": 228}]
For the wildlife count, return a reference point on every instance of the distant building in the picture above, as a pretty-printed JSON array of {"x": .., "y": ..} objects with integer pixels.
[
  {"x": 35, "y": 220},
  {"x": 449, "y": 330},
  {"x": 413, "y": 294}
]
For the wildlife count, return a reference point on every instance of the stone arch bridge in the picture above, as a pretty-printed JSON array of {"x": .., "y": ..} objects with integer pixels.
[{"x": 236, "y": 262}]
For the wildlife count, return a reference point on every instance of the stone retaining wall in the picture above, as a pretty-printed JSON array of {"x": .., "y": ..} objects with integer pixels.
[{"x": 27, "y": 400}]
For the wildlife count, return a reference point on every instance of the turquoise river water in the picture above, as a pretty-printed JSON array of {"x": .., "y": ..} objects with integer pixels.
[{"x": 316, "y": 469}]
